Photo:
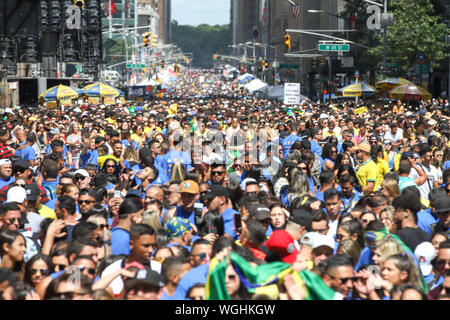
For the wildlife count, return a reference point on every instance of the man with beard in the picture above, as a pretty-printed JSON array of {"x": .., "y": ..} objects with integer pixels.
[{"x": 219, "y": 174}]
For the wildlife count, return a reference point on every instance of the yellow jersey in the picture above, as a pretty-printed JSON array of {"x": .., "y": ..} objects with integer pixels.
[{"x": 367, "y": 172}]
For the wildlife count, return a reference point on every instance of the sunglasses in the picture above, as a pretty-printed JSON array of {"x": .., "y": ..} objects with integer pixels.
[
  {"x": 344, "y": 280},
  {"x": 44, "y": 272},
  {"x": 91, "y": 271},
  {"x": 110, "y": 166},
  {"x": 12, "y": 220},
  {"x": 85, "y": 201},
  {"x": 19, "y": 185},
  {"x": 61, "y": 267},
  {"x": 219, "y": 173},
  {"x": 102, "y": 226},
  {"x": 78, "y": 178}
]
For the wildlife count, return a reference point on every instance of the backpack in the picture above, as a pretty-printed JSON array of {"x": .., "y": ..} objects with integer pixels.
[{"x": 51, "y": 191}]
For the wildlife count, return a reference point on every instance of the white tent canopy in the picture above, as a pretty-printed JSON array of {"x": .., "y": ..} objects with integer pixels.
[
  {"x": 147, "y": 82},
  {"x": 255, "y": 85}
]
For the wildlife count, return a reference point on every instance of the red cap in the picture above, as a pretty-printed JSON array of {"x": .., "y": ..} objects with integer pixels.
[{"x": 282, "y": 242}]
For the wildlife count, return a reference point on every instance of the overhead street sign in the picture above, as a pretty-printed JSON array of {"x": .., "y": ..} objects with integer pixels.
[
  {"x": 333, "y": 47},
  {"x": 135, "y": 65}
]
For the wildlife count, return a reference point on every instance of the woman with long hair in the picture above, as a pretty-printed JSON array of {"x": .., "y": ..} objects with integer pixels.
[
  {"x": 111, "y": 169},
  {"x": 37, "y": 268},
  {"x": 387, "y": 218},
  {"x": 278, "y": 216},
  {"x": 131, "y": 155},
  {"x": 329, "y": 154},
  {"x": 298, "y": 186},
  {"x": 12, "y": 251},
  {"x": 178, "y": 172},
  {"x": 389, "y": 188}
]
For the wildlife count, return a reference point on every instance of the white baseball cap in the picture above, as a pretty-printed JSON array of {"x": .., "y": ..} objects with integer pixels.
[
  {"x": 425, "y": 253},
  {"x": 308, "y": 238},
  {"x": 83, "y": 172},
  {"x": 323, "y": 240},
  {"x": 16, "y": 194}
]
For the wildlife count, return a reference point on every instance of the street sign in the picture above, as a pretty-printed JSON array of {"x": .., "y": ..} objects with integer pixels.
[
  {"x": 333, "y": 47},
  {"x": 291, "y": 93},
  {"x": 288, "y": 66},
  {"x": 424, "y": 68},
  {"x": 135, "y": 65}
]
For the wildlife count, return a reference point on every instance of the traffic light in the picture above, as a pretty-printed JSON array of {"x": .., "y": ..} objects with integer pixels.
[
  {"x": 215, "y": 56},
  {"x": 323, "y": 61},
  {"x": 287, "y": 42},
  {"x": 79, "y": 3},
  {"x": 325, "y": 91},
  {"x": 315, "y": 64},
  {"x": 162, "y": 63},
  {"x": 266, "y": 64},
  {"x": 153, "y": 40},
  {"x": 260, "y": 66},
  {"x": 146, "y": 39}
]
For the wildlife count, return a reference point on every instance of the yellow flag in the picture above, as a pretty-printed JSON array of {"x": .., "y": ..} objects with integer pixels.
[{"x": 361, "y": 110}]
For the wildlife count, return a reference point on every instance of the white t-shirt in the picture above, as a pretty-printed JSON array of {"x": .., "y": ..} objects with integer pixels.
[
  {"x": 398, "y": 135},
  {"x": 117, "y": 284},
  {"x": 333, "y": 224},
  {"x": 432, "y": 174}
]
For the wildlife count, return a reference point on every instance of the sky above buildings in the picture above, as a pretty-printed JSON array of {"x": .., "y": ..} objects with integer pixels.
[{"x": 195, "y": 12}]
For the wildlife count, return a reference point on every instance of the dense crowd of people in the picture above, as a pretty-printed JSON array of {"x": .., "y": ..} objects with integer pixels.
[{"x": 144, "y": 200}]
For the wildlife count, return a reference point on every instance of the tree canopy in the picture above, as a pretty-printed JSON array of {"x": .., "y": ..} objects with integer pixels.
[
  {"x": 203, "y": 41},
  {"x": 416, "y": 29}
]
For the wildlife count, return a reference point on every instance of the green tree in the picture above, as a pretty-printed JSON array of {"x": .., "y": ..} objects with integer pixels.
[
  {"x": 416, "y": 29},
  {"x": 203, "y": 41}
]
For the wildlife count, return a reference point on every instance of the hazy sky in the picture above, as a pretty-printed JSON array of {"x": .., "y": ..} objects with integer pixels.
[{"x": 195, "y": 12}]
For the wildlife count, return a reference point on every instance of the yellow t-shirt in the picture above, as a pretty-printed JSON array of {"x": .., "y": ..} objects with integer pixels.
[
  {"x": 46, "y": 212},
  {"x": 367, "y": 172},
  {"x": 383, "y": 168}
]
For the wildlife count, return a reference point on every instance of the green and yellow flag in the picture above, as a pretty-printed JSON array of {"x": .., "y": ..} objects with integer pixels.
[{"x": 262, "y": 279}]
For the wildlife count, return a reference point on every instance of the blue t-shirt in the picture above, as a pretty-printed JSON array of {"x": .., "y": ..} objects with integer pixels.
[
  {"x": 27, "y": 153},
  {"x": 192, "y": 277},
  {"x": 120, "y": 241},
  {"x": 176, "y": 155},
  {"x": 51, "y": 203},
  {"x": 50, "y": 188},
  {"x": 127, "y": 143},
  {"x": 288, "y": 142},
  {"x": 425, "y": 219},
  {"x": 6, "y": 182},
  {"x": 315, "y": 147},
  {"x": 161, "y": 179},
  {"x": 90, "y": 157},
  {"x": 186, "y": 215},
  {"x": 365, "y": 258},
  {"x": 166, "y": 296},
  {"x": 228, "y": 222}
]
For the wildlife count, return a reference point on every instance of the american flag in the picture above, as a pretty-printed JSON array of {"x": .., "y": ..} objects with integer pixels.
[{"x": 295, "y": 10}]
